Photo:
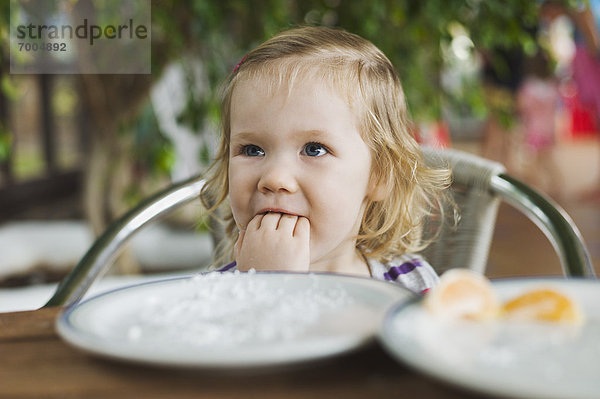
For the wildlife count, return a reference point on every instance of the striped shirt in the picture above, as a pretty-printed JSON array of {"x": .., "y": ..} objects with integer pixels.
[{"x": 409, "y": 270}]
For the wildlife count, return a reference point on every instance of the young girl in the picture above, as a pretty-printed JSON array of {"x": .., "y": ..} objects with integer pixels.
[{"x": 316, "y": 168}]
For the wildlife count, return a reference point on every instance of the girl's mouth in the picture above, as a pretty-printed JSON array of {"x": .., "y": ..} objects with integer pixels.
[{"x": 276, "y": 210}]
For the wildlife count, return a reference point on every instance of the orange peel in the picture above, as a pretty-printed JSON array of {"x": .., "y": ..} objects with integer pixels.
[
  {"x": 462, "y": 293},
  {"x": 543, "y": 304}
]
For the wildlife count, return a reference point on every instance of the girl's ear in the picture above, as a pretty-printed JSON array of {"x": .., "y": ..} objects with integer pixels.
[{"x": 379, "y": 189}]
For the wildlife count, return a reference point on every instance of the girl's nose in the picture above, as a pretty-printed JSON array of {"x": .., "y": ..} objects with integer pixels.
[{"x": 277, "y": 178}]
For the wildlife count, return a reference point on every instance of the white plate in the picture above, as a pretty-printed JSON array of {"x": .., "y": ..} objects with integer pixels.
[
  {"x": 232, "y": 320},
  {"x": 516, "y": 359}
]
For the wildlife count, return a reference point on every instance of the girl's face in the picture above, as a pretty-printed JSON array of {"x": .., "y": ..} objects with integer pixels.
[{"x": 300, "y": 153}]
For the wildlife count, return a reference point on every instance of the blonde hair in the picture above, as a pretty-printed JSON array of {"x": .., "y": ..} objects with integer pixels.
[{"x": 357, "y": 69}]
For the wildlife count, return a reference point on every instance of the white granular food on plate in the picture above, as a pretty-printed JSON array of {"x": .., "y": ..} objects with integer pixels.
[{"x": 229, "y": 309}]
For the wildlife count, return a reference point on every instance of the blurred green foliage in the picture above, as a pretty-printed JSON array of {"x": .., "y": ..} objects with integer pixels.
[
  {"x": 410, "y": 32},
  {"x": 5, "y": 143},
  {"x": 152, "y": 152}
]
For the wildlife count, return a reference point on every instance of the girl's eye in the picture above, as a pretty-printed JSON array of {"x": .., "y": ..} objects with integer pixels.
[
  {"x": 314, "y": 150},
  {"x": 252, "y": 150}
]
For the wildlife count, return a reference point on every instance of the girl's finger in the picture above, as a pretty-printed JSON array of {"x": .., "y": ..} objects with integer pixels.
[
  {"x": 287, "y": 223},
  {"x": 255, "y": 223},
  {"x": 302, "y": 229},
  {"x": 270, "y": 221}
]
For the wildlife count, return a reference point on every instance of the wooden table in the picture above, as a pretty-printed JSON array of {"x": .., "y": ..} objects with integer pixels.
[{"x": 36, "y": 363}]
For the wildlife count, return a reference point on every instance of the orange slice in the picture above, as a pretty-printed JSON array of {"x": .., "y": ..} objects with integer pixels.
[
  {"x": 543, "y": 304},
  {"x": 462, "y": 293}
]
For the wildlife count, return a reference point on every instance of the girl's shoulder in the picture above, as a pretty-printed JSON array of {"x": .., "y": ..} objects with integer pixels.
[{"x": 409, "y": 270}]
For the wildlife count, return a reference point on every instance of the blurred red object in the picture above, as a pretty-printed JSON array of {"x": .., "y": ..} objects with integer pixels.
[
  {"x": 583, "y": 120},
  {"x": 433, "y": 134}
]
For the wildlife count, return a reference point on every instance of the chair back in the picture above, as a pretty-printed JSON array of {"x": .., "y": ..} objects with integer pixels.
[
  {"x": 464, "y": 239},
  {"x": 478, "y": 187}
]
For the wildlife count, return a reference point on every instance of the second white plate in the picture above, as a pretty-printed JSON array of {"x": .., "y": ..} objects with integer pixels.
[{"x": 529, "y": 360}]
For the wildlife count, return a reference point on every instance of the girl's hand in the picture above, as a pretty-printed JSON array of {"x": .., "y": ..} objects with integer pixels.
[{"x": 274, "y": 241}]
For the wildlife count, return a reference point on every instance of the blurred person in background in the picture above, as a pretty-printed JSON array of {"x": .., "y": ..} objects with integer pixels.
[
  {"x": 538, "y": 100},
  {"x": 501, "y": 77}
]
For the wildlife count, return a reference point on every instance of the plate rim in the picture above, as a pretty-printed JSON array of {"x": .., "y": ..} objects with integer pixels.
[{"x": 82, "y": 340}]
